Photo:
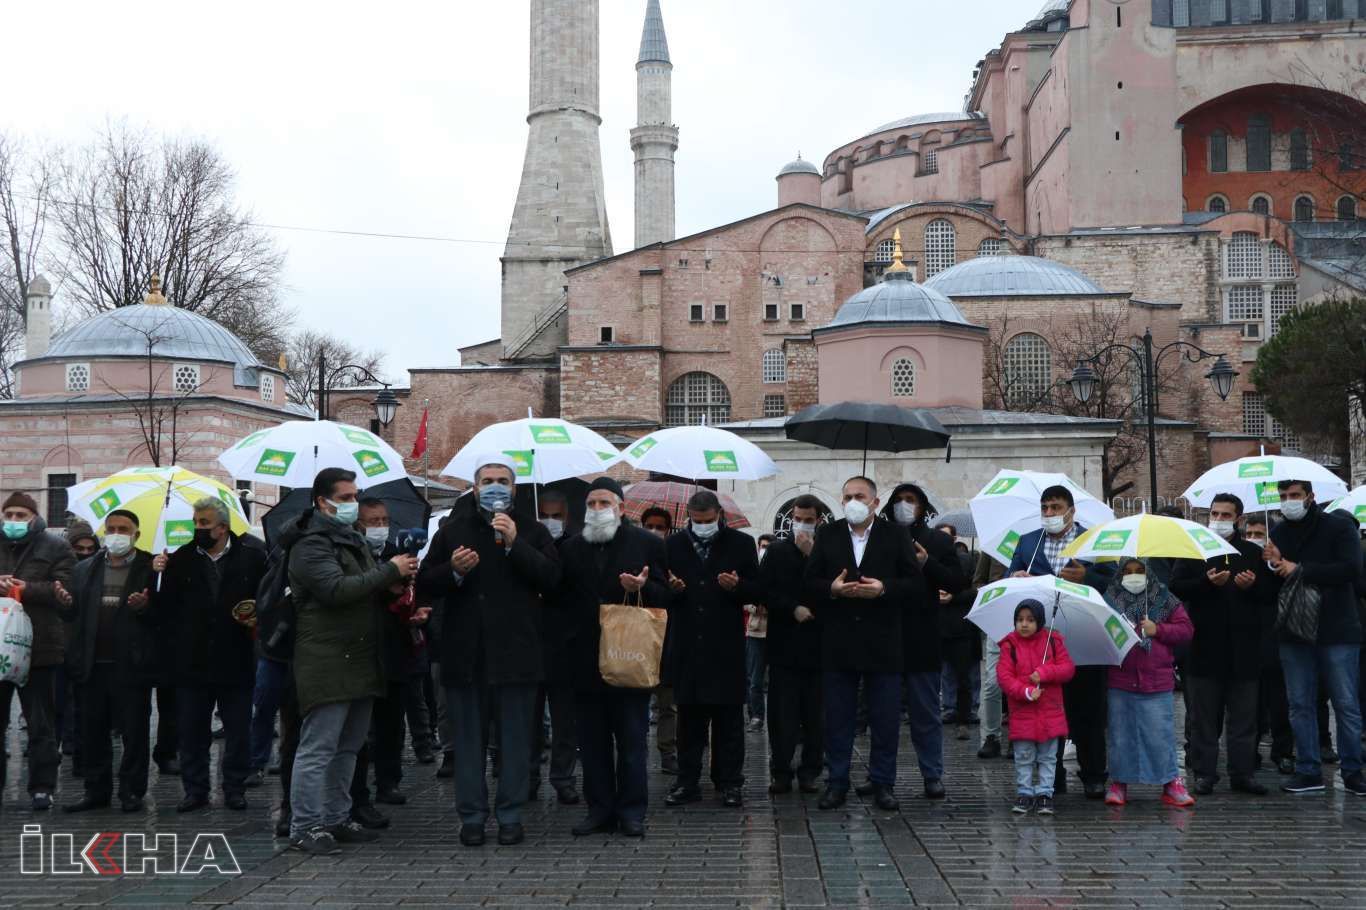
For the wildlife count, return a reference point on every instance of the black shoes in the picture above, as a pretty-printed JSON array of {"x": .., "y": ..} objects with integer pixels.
[
  {"x": 934, "y": 789},
  {"x": 885, "y": 799},
  {"x": 316, "y": 842},
  {"x": 369, "y": 817},
  {"x": 631, "y": 828},
  {"x": 808, "y": 784},
  {"x": 1022, "y": 805},
  {"x": 732, "y": 798},
  {"x": 42, "y": 802},
  {"x": 351, "y": 832},
  {"x": 1043, "y": 805},
  {"x": 447, "y": 768},
  {"x": 472, "y": 835},
  {"x": 991, "y": 748},
  {"x": 425, "y": 756},
  {"x": 567, "y": 795},
  {"x": 1285, "y": 764},
  {"x": 591, "y": 825},
  {"x": 130, "y": 803},
  {"x": 833, "y": 798},
  {"x": 86, "y": 804},
  {"x": 1094, "y": 790},
  {"x": 1244, "y": 785},
  {"x": 256, "y": 778},
  {"x": 170, "y": 767},
  {"x": 864, "y": 789},
  {"x": 235, "y": 801},
  {"x": 1355, "y": 784},
  {"x": 194, "y": 803},
  {"x": 1304, "y": 783},
  {"x": 780, "y": 785},
  {"x": 681, "y": 796},
  {"x": 390, "y": 797},
  {"x": 510, "y": 835},
  {"x": 1204, "y": 786},
  {"x": 1328, "y": 755}
]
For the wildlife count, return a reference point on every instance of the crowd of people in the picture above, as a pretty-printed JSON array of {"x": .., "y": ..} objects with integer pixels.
[{"x": 839, "y": 625}]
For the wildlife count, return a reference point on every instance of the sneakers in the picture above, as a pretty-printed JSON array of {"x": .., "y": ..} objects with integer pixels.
[
  {"x": 1044, "y": 805},
  {"x": 1117, "y": 795},
  {"x": 1176, "y": 795},
  {"x": 1022, "y": 805},
  {"x": 1303, "y": 783},
  {"x": 315, "y": 842},
  {"x": 42, "y": 802},
  {"x": 1354, "y": 784},
  {"x": 351, "y": 832}
]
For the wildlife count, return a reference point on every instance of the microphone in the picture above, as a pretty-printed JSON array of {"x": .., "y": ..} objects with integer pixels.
[
  {"x": 412, "y": 540},
  {"x": 499, "y": 507}
]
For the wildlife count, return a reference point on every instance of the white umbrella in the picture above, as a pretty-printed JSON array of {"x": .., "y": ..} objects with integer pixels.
[
  {"x": 1094, "y": 632},
  {"x": 698, "y": 452},
  {"x": 1007, "y": 508},
  {"x": 162, "y": 498},
  {"x": 1254, "y": 480},
  {"x": 1354, "y": 504},
  {"x": 292, "y": 453},
  {"x": 544, "y": 449}
]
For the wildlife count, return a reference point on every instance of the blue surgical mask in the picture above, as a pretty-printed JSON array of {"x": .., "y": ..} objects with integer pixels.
[
  {"x": 16, "y": 530},
  {"x": 347, "y": 512},
  {"x": 705, "y": 530},
  {"x": 495, "y": 497}
]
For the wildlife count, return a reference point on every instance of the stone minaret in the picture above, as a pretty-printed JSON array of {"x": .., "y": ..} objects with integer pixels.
[
  {"x": 560, "y": 220},
  {"x": 38, "y": 318},
  {"x": 655, "y": 138}
]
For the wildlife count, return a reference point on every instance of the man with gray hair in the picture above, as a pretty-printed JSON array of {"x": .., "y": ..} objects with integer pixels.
[{"x": 210, "y": 647}]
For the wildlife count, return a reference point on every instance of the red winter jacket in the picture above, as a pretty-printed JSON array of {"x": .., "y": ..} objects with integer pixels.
[{"x": 1042, "y": 720}]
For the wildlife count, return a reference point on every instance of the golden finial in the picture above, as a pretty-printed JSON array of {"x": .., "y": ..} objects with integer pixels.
[
  {"x": 154, "y": 296},
  {"x": 284, "y": 363},
  {"x": 897, "y": 255}
]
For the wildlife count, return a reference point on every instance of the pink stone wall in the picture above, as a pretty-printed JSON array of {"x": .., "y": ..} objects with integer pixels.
[
  {"x": 131, "y": 377},
  {"x": 856, "y": 365}
]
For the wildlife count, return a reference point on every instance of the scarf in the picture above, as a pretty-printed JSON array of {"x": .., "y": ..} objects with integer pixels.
[
  {"x": 702, "y": 547},
  {"x": 1155, "y": 603}
]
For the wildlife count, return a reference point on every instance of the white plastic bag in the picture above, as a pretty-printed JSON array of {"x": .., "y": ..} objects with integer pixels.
[{"x": 16, "y": 642}]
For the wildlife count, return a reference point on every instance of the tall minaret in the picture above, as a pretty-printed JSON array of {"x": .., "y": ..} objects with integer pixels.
[
  {"x": 38, "y": 318},
  {"x": 655, "y": 138},
  {"x": 560, "y": 220}
]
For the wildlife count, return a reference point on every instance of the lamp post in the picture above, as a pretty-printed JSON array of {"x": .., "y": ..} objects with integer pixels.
[
  {"x": 1084, "y": 380},
  {"x": 386, "y": 403}
]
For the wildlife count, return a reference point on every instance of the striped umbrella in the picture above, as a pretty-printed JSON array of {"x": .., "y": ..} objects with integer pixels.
[
  {"x": 673, "y": 498},
  {"x": 162, "y": 498}
]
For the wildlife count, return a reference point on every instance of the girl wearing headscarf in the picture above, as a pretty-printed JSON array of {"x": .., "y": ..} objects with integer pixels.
[{"x": 1141, "y": 737}]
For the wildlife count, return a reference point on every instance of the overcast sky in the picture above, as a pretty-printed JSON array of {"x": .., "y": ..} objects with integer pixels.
[{"x": 410, "y": 118}]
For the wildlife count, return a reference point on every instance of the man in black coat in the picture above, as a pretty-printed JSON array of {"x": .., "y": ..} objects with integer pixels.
[
  {"x": 491, "y": 569},
  {"x": 865, "y": 572},
  {"x": 112, "y": 656},
  {"x": 1229, "y": 599},
  {"x": 609, "y": 563},
  {"x": 557, "y": 691},
  {"x": 922, "y": 632},
  {"x": 211, "y": 653},
  {"x": 794, "y": 654},
  {"x": 713, "y": 573}
]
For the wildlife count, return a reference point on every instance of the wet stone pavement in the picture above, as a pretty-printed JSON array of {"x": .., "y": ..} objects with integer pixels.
[{"x": 967, "y": 851}]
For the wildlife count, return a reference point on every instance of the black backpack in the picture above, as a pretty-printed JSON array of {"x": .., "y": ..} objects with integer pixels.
[{"x": 275, "y": 614}]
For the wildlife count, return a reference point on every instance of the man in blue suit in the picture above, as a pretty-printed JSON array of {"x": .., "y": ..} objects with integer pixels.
[{"x": 1040, "y": 553}]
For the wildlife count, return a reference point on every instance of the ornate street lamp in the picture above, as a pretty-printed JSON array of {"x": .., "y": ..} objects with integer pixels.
[{"x": 386, "y": 403}]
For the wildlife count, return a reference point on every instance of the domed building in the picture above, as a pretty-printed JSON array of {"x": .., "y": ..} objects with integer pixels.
[{"x": 142, "y": 384}]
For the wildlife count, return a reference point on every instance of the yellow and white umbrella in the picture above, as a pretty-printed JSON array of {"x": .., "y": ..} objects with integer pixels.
[
  {"x": 162, "y": 498},
  {"x": 1146, "y": 537}
]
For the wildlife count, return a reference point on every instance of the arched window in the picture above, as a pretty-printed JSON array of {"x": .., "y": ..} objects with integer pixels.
[
  {"x": 903, "y": 378},
  {"x": 1299, "y": 149},
  {"x": 1259, "y": 143},
  {"x": 940, "y": 246},
  {"x": 846, "y": 167},
  {"x": 775, "y": 365},
  {"x": 1304, "y": 208},
  {"x": 929, "y": 154},
  {"x": 782, "y": 522},
  {"x": 1279, "y": 263},
  {"x": 1260, "y": 205},
  {"x": 1217, "y": 204},
  {"x": 885, "y": 248},
  {"x": 992, "y": 246},
  {"x": 1218, "y": 152},
  {"x": 1244, "y": 254},
  {"x": 694, "y": 397},
  {"x": 1028, "y": 370},
  {"x": 1347, "y": 208}
]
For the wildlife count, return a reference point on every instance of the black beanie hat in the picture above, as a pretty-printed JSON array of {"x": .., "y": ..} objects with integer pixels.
[{"x": 608, "y": 484}]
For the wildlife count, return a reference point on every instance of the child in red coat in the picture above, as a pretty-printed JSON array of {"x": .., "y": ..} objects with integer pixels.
[{"x": 1032, "y": 669}]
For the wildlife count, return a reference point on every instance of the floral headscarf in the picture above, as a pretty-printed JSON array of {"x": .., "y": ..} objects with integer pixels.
[{"x": 1155, "y": 602}]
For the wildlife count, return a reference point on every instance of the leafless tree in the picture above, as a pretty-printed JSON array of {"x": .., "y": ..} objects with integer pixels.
[
  {"x": 26, "y": 181},
  {"x": 301, "y": 364}
]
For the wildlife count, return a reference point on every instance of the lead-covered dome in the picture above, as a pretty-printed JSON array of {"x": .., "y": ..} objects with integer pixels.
[
  {"x": 1010, "y": 276},
  {"x": 799, "y": 166},
  {"x": 897, "y": 299}
]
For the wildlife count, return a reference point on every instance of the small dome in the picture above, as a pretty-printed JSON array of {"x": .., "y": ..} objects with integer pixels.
[
  {"x": 898, "y": 299},
  {"x": 799, "y": 166},
  {"x": 179, "y": 334},
  {"x": 1011, "y": 276},
  {"x": 39, "y": 285}
]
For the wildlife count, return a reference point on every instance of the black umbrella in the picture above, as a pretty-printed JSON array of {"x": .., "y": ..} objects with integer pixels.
[
  {"x": 407, "y": 508},
  {"x": 862, "y": 425}
]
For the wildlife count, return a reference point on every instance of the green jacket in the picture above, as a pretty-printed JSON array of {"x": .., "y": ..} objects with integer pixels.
[{"x": 338, "y": 593}]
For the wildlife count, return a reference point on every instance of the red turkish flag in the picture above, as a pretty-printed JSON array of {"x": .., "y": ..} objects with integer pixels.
[{"x": 420, "y": 444}]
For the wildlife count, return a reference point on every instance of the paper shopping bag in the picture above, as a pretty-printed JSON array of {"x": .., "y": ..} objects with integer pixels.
[{"x": 631, "y": 644}]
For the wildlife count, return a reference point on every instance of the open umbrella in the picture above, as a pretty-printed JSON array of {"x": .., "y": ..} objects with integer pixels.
[
  {"x": 544, "y": 449},
  {"x": 867, "y": 426},
  {"x": 1148, "y": 537},
  {"x": 1094, "y": 632},
  {"x": 407, "y": 507},
  {"x": 162, "y": 498},
  {"x": 961, "y": 519},
  {"x": 292, "y": 453},
  {"x": 1354, "y": 504},
  {"x": 673, "y": 498},
  {"x": 1007, "y": 508},
  {"x": 700, "y": 453},
  {"x": 1254, "y": 480}
]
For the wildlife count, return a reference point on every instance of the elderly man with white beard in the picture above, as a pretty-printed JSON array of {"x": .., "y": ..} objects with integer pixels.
[{"x": 604, "y": 564}]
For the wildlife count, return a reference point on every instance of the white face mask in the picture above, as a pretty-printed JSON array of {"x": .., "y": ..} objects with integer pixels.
[
  {"x": 1223, "y": 528},
  {"x": 801, "y": 527},
  {"x": 761, "y": 554},
  {"x": 377, "y": 538},
  {"x": 1259, "y": 541},
  {"x": 599, "y": 518},
  {"x": 856, "y": 512},
  {"x": 1294, "y": 509},
  {"x": 1135, "y": 584},
  {"x": 705, "y": 530},
  {"x": 1055, "y": 524},
  {"x": 554, "y": 526},
  {"x": 118, "y": 545},
  {"x": 904, "y": 512},
  {"x": 600, "y": 525}
]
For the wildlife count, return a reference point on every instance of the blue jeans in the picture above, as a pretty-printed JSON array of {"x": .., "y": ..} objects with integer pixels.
[
  {"x": 271, "y": 678},
  {"x": 756, "y": 662},
  {"x": 1030, "y": 756},
  {"x": 927, "y": 730},
  {"x": 320, "y": 790},
  {"x": 1302, "y": 665},
  {"x": 884, "y": 725}
]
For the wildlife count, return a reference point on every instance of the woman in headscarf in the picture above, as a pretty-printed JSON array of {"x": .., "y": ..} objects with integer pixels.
[{"x": 1141, "y": 737}]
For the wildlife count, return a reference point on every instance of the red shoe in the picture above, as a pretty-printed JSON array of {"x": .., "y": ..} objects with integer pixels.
[
  {"x": 1117, "y": 795},
  {"x": 1175, "y": 794}
]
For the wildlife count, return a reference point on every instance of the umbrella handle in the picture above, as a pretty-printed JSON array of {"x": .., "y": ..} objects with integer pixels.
[{"x": 1057, "y": 605}]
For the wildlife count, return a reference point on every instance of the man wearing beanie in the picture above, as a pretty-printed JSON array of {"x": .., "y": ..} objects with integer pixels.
[{"x": 33, "y": 566}]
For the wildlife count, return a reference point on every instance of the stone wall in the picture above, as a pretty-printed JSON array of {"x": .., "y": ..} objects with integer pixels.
[{"x": 598, "y": 383}]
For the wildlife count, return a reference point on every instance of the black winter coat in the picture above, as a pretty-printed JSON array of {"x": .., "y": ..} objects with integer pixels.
[
  {"x": 137, "y": 652},
  {"x": 591, "y": 577},
  {"x": 1325, "y": 546},
  {"x": 867, "y": 635},
  {"x": 1230, "y": 623},
  {"x": 781, "y": 575},
  {"x": 39, "y": 560},
  {"x": 204, "y": 645},
  {"x": 704, "y": 650},
  {"x": 490, "y": 630},
  {"x": 922, "y": 631}
]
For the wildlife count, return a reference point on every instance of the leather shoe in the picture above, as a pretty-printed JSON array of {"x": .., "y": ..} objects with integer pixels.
[
  {"x": 1094, "y": 790},
  {"x": 631, "y": 828},
  {"x": 447, "y": 768},
  {"x": 732, "y": 798},
  {"x": 169, "y": 767},
  {"x": 391, "y": 797},
  {"x": 808, "y": 785},
  {"x": 235, "y": 801},
  {"x": 833, "y": 798},
  {"x": 1246, "y": 785},
  {"x": 934, "y": 789},
  {"x": 1285, "y": 764},
  {"x": 567, "y": 795},
  {"x": 86, "y": 804},
  {"x": 1204, "y": 786},
  {"x": 680, "y": 796},
  {"x": 865, "y": 788},
  {"x": 509, "y": 835},
  {"x": 369, "y": 817},
  {"x": 780, "y": 785},
  {"x": 472, "y": 835},
  {"x": 591, "y": 825},
  {"x": 130, "y": 803},
  {"x": 885, "y": 799},
  {"x": 991, "y": 748},
  {"x": 192, "y": 803}
]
